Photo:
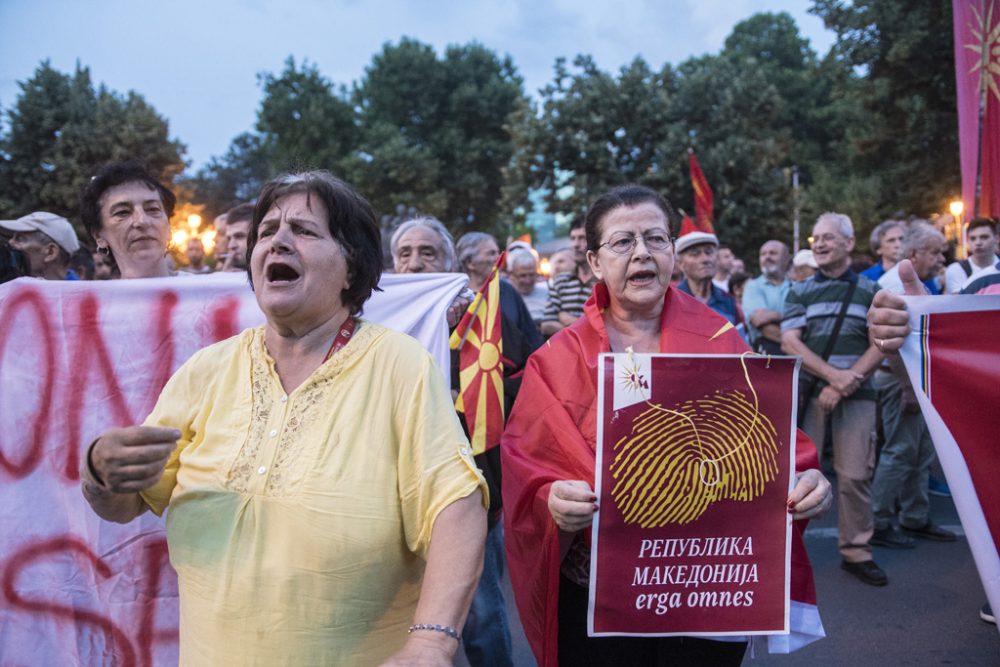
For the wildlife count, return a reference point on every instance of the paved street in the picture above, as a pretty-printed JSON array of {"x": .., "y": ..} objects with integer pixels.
[{"x": 927, "y": 615}]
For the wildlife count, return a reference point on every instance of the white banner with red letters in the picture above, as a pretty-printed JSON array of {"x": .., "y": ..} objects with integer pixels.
[
  {"x": 77, "y": 358},
  {"x": 952, "y": 358}
]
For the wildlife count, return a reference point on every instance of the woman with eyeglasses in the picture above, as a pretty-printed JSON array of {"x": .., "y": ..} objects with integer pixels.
[{"x": 549, "y": 445}]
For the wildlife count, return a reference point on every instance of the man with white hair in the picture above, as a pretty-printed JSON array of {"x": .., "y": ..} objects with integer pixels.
[
  {"x": 424, "y": 245},
  {"x": 522, "y": 270},
  {"x": 48, "y": 241},
  {"x": 905, "y": 462},
  {"x": 825, "y": 323}
]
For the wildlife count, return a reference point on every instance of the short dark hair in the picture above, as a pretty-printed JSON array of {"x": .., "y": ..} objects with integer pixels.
[
  {"x": 240, "y": 213},
  {"x": 577, "y": 222},
  {"x": 351, "y": 222},
  {"x": 625, "y": 195},
  {"x": 112, "y": 175},
  {"x": 738, "y": 279},
  {"x": 976, "y": 223}
]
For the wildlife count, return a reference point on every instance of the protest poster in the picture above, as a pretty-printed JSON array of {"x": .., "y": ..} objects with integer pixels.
[
  {"x": 952, "y": 358},
  {"x": 77, "y": 358},
  {"x": 695, "y": 460}
]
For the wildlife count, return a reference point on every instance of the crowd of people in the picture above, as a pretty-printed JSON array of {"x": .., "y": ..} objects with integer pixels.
[{"x": 327, "y": 433}]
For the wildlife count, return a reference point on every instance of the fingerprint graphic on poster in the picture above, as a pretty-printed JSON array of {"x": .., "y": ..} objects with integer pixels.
[{"x": 694, "y": 466}]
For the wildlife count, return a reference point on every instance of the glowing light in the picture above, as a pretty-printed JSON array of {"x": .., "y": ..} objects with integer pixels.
[
  {"x": 179, "y": 238},
  {"x": 957, "y": 207},
  {"x": 545, "y": 267},
  {"x": 208, "y": 240},
  {"x": 194, "y": 221}
]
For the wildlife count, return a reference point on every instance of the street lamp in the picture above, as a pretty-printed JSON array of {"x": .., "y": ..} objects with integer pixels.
[{"x": 957, "y": 207}]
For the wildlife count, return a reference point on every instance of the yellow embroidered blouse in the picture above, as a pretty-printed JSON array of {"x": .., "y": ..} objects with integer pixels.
[{"x": 298, "y": 524}]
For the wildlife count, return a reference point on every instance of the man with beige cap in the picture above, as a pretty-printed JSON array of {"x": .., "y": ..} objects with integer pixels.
[
  {"x": 696, "y": 254},
  {"x": 48, "y": 241}
]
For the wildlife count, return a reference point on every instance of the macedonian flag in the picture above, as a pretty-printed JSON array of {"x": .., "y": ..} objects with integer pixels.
[
  {"x": 703, "y": 199},
  {"x": 478, "y": 339}
]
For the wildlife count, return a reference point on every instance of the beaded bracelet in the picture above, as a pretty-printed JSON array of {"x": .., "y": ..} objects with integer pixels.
[{"x": 451, "y": 632}]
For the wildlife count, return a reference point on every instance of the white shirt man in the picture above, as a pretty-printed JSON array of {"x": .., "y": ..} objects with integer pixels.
[{"x": 982, "y": 239}]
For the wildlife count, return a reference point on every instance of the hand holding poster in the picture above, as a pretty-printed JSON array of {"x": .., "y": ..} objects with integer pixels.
[
  {"x": 693, "y": 536},
  {"x": 952, "y": 358}
]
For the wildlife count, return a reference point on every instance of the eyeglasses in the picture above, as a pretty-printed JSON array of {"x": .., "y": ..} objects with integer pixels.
[{"x": 623, "y": 244}]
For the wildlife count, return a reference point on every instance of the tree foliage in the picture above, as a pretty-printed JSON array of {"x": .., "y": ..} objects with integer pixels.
[
  {"x": 870, "y": 125},
  {"x": 303, "y": 122},
  {"x": 434, "y": 131},
  {"x": 418, "y": 131},
  {"x": 62, "y": 129},
  {"x": 902, "y": 143},
  {"x": 594, "y": 130}
]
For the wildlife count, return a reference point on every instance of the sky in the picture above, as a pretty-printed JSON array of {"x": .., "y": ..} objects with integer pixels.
[{"x": 196, "y": 61}]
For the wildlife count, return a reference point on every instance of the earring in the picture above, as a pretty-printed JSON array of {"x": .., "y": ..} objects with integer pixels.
[{"x": 104, "y": 250}]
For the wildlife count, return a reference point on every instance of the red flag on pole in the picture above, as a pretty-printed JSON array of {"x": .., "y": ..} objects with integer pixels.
[
  {"x": 703, "y": 200},
  {"x": 977, "y": 79},
  {"x": 478, "y": 339}
]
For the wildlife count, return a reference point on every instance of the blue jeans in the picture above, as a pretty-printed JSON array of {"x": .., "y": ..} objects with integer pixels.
[{"x": 486, "y": 635}]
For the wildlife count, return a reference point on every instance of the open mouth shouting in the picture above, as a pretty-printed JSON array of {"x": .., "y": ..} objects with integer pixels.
[
  {"x": 280, "y": 274},
  {"x": 642, "y": 278}
]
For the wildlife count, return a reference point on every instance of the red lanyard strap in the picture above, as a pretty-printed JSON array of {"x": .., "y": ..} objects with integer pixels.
[{"x": 343, "y": 337}]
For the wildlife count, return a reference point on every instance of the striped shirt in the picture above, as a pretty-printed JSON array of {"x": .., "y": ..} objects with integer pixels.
[
  {"x": 567, "y": 294},
  {"x": 813, "y": 306}
]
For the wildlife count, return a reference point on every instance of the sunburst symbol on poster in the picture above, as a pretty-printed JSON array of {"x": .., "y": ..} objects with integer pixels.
[{"x": 677, "y": 461}]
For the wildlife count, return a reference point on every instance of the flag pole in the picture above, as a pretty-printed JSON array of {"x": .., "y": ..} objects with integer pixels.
[{"x": 984, "y": 60}]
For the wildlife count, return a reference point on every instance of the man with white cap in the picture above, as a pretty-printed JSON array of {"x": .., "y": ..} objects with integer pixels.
[
  {"x": 49, "y": 242},
  {"x": 696, "y": 254},
  {"x": 803, "y": 266}
]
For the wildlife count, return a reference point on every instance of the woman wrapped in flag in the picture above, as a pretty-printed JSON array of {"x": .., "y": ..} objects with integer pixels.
[{"x": 548, "y": 448}]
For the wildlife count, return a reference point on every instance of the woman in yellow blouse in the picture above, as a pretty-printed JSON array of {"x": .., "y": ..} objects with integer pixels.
[{"x": 324, "y": 505}]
